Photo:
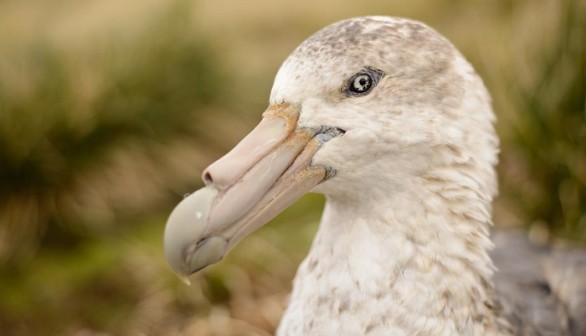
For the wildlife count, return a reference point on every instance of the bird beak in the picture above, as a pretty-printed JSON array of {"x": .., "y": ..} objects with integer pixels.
[{"x": 264, "y": 174}]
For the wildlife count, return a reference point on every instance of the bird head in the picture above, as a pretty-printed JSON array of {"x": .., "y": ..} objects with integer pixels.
[{"x": 372, "y": 101}]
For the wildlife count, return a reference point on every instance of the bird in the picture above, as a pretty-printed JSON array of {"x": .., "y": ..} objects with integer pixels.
[{"x": 387, "y": 119}]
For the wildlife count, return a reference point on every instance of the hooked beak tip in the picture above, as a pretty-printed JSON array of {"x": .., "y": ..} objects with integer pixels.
[
  {"x": 187, "y": 247},
  {"x": 206, "y": 251}
]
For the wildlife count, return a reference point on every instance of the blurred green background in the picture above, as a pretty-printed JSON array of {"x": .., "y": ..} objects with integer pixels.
[{"x": 109, "y": 110}]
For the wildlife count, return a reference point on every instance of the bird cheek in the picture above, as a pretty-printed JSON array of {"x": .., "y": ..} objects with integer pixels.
[
  {"x": 315, "y": 113},
  {"x": 338, "y": 153},
  {"x": 329, "y": 155}
]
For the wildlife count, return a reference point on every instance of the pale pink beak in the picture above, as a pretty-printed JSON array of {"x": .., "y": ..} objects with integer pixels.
[{"x": 264, "y": 174}]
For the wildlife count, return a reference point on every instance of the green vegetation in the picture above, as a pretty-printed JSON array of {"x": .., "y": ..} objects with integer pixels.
[
  {"x": 109, "y": 110},
  {"x": 544, "y": 169},
  {"x": 76, "y": 111}
]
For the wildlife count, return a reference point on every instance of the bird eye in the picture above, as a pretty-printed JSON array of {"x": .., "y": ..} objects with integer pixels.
[{"x": 361, "y": 83}]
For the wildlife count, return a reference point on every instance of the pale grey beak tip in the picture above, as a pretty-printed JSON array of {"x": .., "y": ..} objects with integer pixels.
[
  {"x": 206, "y": 252},
  {"x": 186, "y": 247}
]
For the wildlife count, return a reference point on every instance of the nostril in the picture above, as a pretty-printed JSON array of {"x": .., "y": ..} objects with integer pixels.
[{"x": 207, "y": 178}]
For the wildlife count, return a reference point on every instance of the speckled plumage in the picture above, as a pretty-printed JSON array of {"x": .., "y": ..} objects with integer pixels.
[{"x": 402, "y": 247}]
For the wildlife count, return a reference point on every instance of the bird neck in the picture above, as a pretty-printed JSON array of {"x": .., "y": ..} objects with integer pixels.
[{"x": 412, "y": 262}]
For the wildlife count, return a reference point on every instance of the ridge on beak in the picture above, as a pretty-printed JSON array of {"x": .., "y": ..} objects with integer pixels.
[{"x": 258, "y": 179}]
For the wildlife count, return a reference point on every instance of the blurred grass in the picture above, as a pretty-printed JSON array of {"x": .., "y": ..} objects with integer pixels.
[
  {"x": 109, "y": 110},
  {"x": 77, "y": 110},
  {"x": 544, "y": 163}
]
